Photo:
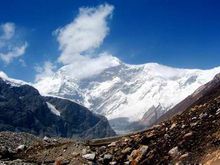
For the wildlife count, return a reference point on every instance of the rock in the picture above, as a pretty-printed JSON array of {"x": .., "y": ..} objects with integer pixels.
[
  {"x": 61, "y": 162},
  {"x": 194, "y": 118},
  {"x": 133, "y": 155},
  {"x": 166, "y": 136},
  {"x": 57, "y": 162},
  {"x": 134, "y": 162},
  {"x": 3, "y": 150},
  {"x": 126, "y": 150},
  {"x": 193, "y": 124},
  {"x": 75, "y": 154},
  {"x": 101, "y": 160},
  {"x": 112, "y": 144},
  {"x": 102, "y": 148},
  {"x": 126, "y": 163},
  {"x": 137, "y": 155},
  {"x": 203, "y": 115},
  {"x": 126, "y": 139},
  {"x": 188, "y": 135},
  {"x": 218, "y": 111},
  {"x": 65, "y": 147},
  {"x": 89, "y": 156},
  {"x": 15, "y": 162},
  {"x": 141, "y": 152},
  {"x": 84, "y": 151},
  {"x": 143, "y": 149},
  {"x": 184, "y": 156},
  {"x": 172, "y": 126},
  {"x": 89, "y": 163},
  {"x": 46, "y": 138},
  {"x": 183, "y": 126},
  {"x": 174, "y": 152},
  {"x": 21, "y": 148},
  {"x": 65, "y": 162},
  {"x": 107, "y": 157}
]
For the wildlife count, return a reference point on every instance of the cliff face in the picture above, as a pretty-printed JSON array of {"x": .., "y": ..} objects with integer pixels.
[{"x": 23, "y": 109}]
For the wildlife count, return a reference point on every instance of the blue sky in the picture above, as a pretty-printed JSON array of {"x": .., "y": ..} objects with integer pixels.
[{"x": 183, "y": 33}]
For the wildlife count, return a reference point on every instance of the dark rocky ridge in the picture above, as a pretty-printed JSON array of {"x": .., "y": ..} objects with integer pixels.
[
  {"x": 82, "y": 121},
  {"x": 23, "y": 109}
]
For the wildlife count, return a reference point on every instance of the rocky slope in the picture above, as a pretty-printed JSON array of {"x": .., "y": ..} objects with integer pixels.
[
  {"x": 127, "y": 93},
  {"x": 191, "y": 137},
  {"x": 81, "y": 120},
  {"x": 23, "y": 109}
]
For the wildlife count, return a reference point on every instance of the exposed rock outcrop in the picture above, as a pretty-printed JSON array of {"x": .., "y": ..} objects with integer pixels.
[{"x": 23, "y": 109}]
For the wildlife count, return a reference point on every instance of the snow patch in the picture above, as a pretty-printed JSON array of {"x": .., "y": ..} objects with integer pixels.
[
  {"x": 12, "y": 82},
  {"x": 53, "y": 109}
]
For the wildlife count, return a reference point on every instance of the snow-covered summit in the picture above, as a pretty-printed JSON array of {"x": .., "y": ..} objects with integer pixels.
[{"x": 124, "y": 90}]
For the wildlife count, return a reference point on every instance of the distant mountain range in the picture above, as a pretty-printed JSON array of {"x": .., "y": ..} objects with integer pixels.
[
  {"x": 130, "y": 96},
  {"x": 23, "y": 109}
]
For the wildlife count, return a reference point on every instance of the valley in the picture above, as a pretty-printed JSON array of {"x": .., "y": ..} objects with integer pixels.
[
  {"x": 108, "y": 82},
  {"x": 189, "y": 137}
]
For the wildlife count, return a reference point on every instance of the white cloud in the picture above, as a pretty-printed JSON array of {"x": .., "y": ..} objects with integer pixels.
[
  {"x": 85, "y": 33},
  {"x": 87, "y": 68},
  {"x": 13, "y": 53},
  {"x": 44, "y": 71},
  {"x": 22, "y": 62},
  {"x": 8, "y": 30},
  {"x": 78, "y": 43},
  {"x": 10, "y": 46}
]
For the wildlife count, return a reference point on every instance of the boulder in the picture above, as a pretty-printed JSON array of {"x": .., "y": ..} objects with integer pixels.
[
  {"x": 90, "y": 156},
  {"x": 21, "y": 148},
  {"x": 174, "y": 152}
]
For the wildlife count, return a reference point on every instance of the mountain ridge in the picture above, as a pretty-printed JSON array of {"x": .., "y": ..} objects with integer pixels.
[
  {"x": 23, "y": 109},
  {"x": 194, "y": 98},
  {"x": 127, "y": 91}
]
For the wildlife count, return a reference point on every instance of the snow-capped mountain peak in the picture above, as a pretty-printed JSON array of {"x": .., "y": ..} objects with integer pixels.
[{"x": 125, "y": 91}]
